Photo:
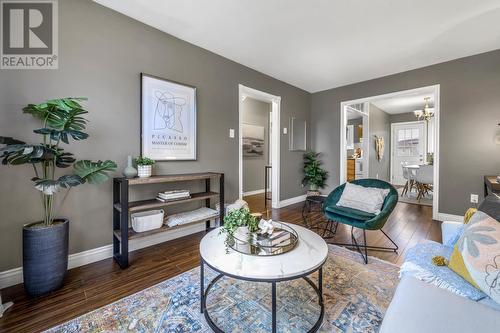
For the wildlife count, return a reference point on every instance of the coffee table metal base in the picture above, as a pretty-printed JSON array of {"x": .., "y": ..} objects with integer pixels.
[{"x": 204, "y": 294}]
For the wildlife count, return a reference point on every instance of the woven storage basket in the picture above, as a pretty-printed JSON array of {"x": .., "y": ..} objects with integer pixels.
[{"x": 146, "y": 221}]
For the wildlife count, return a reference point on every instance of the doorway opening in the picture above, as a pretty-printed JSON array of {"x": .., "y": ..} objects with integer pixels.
[
  {"x": 398, "y": 142},
  {"x": 259, "y": 142},
  {"x": 357, "y": 150}
]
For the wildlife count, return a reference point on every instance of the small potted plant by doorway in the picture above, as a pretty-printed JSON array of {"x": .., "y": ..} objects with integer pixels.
[
  {"x": 314, "y": 175},
  {"x": 45, "y": 243},
  {"x": 144, "y": 166}
]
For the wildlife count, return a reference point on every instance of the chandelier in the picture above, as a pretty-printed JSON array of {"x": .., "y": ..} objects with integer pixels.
[{"x": 427, "y": 113}]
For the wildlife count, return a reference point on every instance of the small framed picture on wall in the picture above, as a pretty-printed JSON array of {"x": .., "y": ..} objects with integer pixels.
[{"x": 168, "y": 119}]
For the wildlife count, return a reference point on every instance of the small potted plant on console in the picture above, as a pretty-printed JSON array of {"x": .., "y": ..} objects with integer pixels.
[{"x": 144, "y": 166}]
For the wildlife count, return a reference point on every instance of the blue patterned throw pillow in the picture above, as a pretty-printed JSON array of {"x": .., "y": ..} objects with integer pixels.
[{"x": 455, "y": 236}]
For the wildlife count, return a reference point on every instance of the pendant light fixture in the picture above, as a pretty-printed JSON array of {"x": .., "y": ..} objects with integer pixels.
[{"x": 427, "y": 113}]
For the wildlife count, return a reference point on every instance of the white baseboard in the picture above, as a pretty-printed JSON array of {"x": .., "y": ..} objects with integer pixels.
[
  {"x": 15, "y": 275},
  {"x": 11, "y": 277},
  {"x": 449, "y": 217},
  {"x": 255, "y": 192},
  {"x": 291, "y": 201}
]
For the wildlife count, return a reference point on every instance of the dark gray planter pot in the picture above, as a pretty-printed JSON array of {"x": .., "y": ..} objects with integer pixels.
[{"x": 45, "y": 257}]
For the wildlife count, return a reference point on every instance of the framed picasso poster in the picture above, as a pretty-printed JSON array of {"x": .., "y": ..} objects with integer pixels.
[{"x": 168, "y": 119}]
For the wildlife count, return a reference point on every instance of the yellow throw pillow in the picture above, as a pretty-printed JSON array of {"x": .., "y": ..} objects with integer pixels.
[
  {"x": 468, "y": 214},
  {"x": 457, "y": 264},
  {"x": 476, "y": 256}
]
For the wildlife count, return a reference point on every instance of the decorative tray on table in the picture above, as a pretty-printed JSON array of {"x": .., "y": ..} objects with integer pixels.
[{"x": 282, "y": 239}]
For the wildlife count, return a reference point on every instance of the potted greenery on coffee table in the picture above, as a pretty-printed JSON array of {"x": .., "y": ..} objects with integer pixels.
[
  {"x": 240, "y": 223},
  {"x": 314, "y": 175},
  {"x": 45, "y": 243}
]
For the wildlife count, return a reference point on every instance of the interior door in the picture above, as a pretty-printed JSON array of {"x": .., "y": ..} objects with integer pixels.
[{"x": 408, "y": 147}]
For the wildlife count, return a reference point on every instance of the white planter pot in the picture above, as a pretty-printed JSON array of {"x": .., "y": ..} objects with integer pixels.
[
  {"x": 144, "y": 171},
  {"x": 241, "y": 235}
]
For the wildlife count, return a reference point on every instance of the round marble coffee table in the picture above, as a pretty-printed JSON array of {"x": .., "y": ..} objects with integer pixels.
[{"x": 307, "y": 257}]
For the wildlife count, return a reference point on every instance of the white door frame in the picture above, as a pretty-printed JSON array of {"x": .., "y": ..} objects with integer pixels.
[
  {"x": 392, "y": 141},
  {"x": 275, "y": 101},
  {"x": 343, "y": 122}
]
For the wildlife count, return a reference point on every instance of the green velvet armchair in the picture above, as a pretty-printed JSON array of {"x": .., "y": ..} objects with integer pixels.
[{"x": 359, "y": 219}]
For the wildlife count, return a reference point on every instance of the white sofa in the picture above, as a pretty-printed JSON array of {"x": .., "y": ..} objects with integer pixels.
[{"x": 419, "y": 307}]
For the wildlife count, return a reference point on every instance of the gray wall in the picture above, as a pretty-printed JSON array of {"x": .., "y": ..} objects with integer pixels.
[
  {"x": 380, "y": 126},
  {"x": 256, "y": 113},
  {"x": 470, "y": 111},
  {"x": 101, "y": 55},
  {"x": 402, "y": 117}
]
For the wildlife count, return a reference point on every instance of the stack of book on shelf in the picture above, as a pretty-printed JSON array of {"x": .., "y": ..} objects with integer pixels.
[{"x": 173, "y": 195}]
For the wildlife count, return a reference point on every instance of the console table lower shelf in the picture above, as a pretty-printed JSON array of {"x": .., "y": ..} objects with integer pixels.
[
  {"x": 307, "y": 258},
  {"x": 133, "y": 235}
]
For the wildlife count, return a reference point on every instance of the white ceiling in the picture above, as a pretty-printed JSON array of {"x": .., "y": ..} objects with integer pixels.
[
  {"x": 321, "y": 44},
  {"x": 404, "y": 102}
]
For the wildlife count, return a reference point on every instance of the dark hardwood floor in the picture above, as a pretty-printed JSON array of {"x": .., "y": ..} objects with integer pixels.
[
  {"x": 92, "y": 286},
  {"x": 256, "y": 202}
]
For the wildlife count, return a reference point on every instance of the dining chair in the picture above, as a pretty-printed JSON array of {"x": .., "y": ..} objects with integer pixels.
[
  {"x": 406, "y": 177},
  {"x": 424, "y": 179}
]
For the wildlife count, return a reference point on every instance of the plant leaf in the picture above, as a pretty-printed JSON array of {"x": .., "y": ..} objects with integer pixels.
[
  {"x": 70, "y": 181},
  {"x": 60, "y": 114},
  {"x": 94, "y": 172},
  {"x": 22, "y": 153},
  {"x": 47, "y": 186},
  {"x": 64, "y": 160},
  {"x": 50, "y": 186},
  {"x": 62, "y": 135}
]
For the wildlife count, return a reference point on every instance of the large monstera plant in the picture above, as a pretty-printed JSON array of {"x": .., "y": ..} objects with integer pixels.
[{"x": 63, "y": 120}]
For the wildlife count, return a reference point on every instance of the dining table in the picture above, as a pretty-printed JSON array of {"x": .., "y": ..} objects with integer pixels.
[{"x": 412, "y": 166}]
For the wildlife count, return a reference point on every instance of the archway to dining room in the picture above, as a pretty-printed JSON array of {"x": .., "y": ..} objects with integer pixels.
[{"x": 394, "y": 137}]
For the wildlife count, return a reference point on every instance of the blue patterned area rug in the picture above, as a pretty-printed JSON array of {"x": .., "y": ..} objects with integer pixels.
[{"x": 356, "y": 297}]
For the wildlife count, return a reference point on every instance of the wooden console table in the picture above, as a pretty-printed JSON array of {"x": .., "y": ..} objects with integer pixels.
[
  {"x": 490, "y": 184},
  {"x": 122, "y": 207}
]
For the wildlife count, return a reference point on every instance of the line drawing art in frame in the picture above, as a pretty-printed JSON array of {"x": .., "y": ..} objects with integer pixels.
[
  {"x": 168, "y": 119},
  {"x": 168, "y": 111}
]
